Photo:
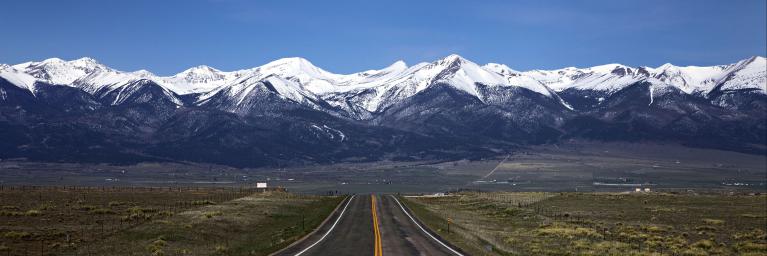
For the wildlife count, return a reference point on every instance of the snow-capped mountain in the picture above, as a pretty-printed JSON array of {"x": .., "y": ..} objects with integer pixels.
[
  {"x": 58, "y": 71},
  {"x": 17, "y": 78},
  {"x": 199, "y": 79},
  {"x": 374, "y": 90},
  {"x": 291, "y": 110},
  {"x": 749, "y": 74},
  {"x": 255, "y": 94},
  {"x": 398, "y": 83}
]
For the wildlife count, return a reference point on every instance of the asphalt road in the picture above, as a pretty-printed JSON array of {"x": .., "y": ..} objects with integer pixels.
[{"x": 351, "y": 230}]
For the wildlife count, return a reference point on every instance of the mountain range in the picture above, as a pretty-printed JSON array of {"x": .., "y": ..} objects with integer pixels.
[{"x": 290, "y": 112}]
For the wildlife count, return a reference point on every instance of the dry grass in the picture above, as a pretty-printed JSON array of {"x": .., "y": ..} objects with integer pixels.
[
  {"x": 599, "y": 223},
  {"x": 64, "y": 221},
  {"x": 253, "y": 225}
]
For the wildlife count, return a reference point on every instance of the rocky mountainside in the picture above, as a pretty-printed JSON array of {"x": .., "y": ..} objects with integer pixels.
[{"x": 291, "y": 112}]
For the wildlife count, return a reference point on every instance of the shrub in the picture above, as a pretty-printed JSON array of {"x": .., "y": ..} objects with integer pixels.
[
  {"x": 756, "y": 234},
  {"x": 11, "y": 213},
  {"x": 704, "y": 244},
  {"x": 102, "y": 211},
  {"x": 706, "y": 228},
  {"x": 568, "y": 232},
  {"x": 156, "y": 246},
  {"x": 713, "y": 221},
  {"x": 654, "y": 229},
  {"x": 202, "y": 202},
  {"x": 220, "y": 249},
  {"x": 751, "y": 247},
  {"x": 46, "y": 206},
  {"x": 695, "y": 252},
  {"x": 212, "y": 214},
  {"x": 86, "y": 207},
  {"x": 17, "y": 235},
  {"x": 33, "y": 213}
]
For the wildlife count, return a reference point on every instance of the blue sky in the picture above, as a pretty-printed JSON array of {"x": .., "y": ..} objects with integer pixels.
[{"x": 167, "y": 37}]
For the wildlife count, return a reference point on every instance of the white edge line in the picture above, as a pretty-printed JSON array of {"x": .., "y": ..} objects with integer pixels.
[
  {"x": 424, "y": 230},
  {"x": 329, "y": 230}
]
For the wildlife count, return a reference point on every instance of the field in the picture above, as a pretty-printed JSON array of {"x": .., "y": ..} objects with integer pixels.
[
  {"x": 503, "y": 223},
  {"x": 154, "y": 221}
]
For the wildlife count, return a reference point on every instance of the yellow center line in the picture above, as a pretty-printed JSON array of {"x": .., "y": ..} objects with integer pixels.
[{"x": 378, "y": 251}]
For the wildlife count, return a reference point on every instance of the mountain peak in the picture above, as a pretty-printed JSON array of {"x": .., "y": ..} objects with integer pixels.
[
  {"x": 294, "y": 66},
  {"x": 81, "y": 62},
  {"x": 452, "y": 58},
  {"x": 500, "y": 68},
  {"x": 756, "y": 59},
  {"x": 52, "y": 60},
  {"x": 86, "y": 60},
  {"x": 608, "y": 68},
  {"x": 665, "y": 66},
  {"x": 201, "y": 69},
  {"x": 143, "y": 73},
  {"x": 397, "y": 65},
  {"x": 293, "y": 61}
]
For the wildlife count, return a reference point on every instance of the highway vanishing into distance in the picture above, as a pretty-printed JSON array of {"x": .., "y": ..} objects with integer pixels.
[{"x": 371, "y": 225}]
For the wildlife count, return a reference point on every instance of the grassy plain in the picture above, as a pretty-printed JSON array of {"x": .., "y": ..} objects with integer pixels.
[
  {"x": 153, "y": 221},
  {"x": 502, "y": 223}
]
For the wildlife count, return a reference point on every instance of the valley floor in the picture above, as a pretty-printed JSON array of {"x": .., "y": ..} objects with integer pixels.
[{"x": 573, "y": 166}]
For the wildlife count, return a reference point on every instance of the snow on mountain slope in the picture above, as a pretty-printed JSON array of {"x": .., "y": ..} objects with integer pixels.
[
  {"x": 516, "y": 78},
  {"x": 690, "y": 79},
  {"x": 452, "y": 70},
  {"x": 92, "y": 76},
  {"x": 374, "y": 90},
  {"x": 746, "y": 74},
  {"x": 58, "y": 71},
  {"x": 246, "y": 93},
  {"x": 125, "y": 91},
  {"x": 108, "y": 79},
  {"x": 557, "y": 80},
  {"x": 365, "y": 79},
  {"x": 198, "y": 79},
  {"x": 299, "y": 70},
  {"x": 605, "y": 82},
  {"x": 463, "y": 74},
  {"x": 610, "y": 77},
  {"x": 18, "y": 78}
]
